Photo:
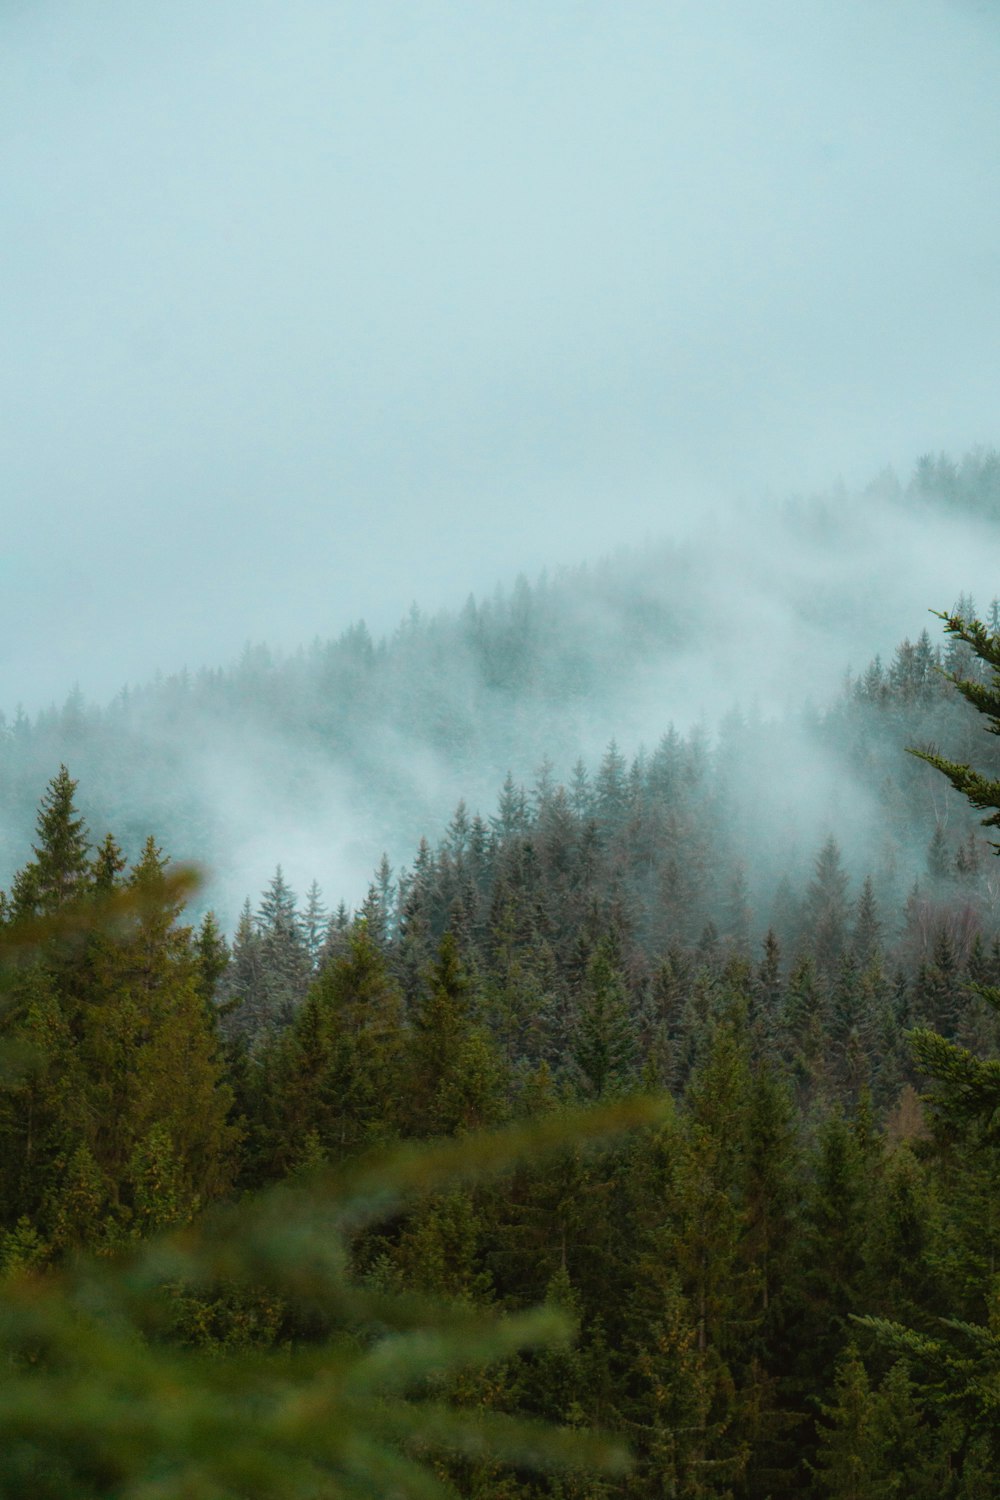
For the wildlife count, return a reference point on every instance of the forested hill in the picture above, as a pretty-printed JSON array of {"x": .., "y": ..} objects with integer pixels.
[
  {"x": 784, "y": 926},
  {"x": 326, "y": 757},
  {"x": 671, "y": 863},
  {"x": 786, "y": 1288}
]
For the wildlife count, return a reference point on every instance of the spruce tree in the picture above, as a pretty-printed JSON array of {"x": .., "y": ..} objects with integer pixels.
[
  {"x": 285, "y": 964},
  {"x": 122, "y": 1045},
  {"x": 337, "y": 1072},
  {"x": 605, "y": 1048},
  {"x": 827, "y": 908},
  {"x": 60, "y": 870}
]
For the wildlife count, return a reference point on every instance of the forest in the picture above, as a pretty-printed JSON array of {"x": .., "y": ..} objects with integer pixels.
[
  {"x": 619, "y": 1144},
  {"x": 499, "y": 751},
  {"x": 322, "y": 758}
]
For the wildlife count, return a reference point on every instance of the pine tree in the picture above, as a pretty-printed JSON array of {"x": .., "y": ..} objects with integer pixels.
[
  {"x": 827, "y": 908},
  {"x": 212, "y": 956},
  {"x": 123, "y": 1045},
  {"x": 768, "y": 991},
  {"x": 242, "y": 997},
  {"x": 109, "y": 863},
  {"x": 337, "y": 1072},
  {"x": 604, "y": 1047},
  {"x": 830, "y": 1274},
  {"x": 737, "y": 916},
  {"x": 314, "y": 923},
  {"x": 285, "y": 965},
  {"x": 457, "y": 1080},
  {"x": 867, "y": 936},
  {"x": 847, "y": 1457},
  {"x": 957, "y": 1373},
  {"x": 60, "y": 871}
]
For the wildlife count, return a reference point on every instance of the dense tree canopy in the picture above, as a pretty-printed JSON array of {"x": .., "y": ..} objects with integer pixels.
[{"x": 783, "y": 1284}]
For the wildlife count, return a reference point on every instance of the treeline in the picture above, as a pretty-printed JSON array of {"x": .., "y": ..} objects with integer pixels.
[
  {"x": 971, "y": 485},
  {"x": 387, "y": 727}
]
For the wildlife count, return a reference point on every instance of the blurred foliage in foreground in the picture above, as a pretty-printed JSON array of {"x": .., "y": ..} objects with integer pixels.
[{"x": 99, "y": 1398}]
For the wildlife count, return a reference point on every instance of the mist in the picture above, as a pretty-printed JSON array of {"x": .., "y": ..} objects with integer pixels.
[
  {"x": 312, "y": 312},
  {"x": 745, "y": 634}
]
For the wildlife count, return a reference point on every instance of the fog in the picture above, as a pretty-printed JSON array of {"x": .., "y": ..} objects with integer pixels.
[
  {"x": 312, "y": 310},
  {"x": 746, "y": 632}
]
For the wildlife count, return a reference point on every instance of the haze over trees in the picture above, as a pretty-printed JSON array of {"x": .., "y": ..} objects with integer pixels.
[
  {"x": 321, "y": 760},
  {"x": 540, "y": 1041},
  {"x": 780, "y": 1282}
]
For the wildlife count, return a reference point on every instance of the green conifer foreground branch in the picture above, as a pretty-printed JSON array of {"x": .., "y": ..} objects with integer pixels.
[
  {"x": 96, "y": 1401},
  {"x": 981, "y": 791},
  {"x": 99, "y": 1398},
  {"x": 956, "y": 1368}
]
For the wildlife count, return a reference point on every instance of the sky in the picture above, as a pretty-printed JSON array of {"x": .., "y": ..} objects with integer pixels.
[{"x": 312, "y": 309}]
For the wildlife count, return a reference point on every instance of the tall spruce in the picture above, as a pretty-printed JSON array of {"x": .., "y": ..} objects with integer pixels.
[{"x": 61, "y": 869}]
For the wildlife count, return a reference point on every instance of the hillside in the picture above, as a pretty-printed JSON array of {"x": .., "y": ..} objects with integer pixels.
[
  {"x": 775, "y": 1286},
  {"x": 350, "y": 747}
]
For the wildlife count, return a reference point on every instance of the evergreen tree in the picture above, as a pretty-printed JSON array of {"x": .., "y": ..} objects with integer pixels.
[
  {"x": 830, "y": 1274},
  {"x": 243, "y": 996},
  {"x": 109, "y": 863},
  {"x": 605, "y": 1046},
  {"x": 847, "y": 1460},
  {"x": 284, "y": 960},
  {"x": 122, "y": 1045},
  {"x": 212, "y": 956},
  {"x": 314, "y": 923},
  {"x": 867, "y": 936},
  {"x": 60, "y": 871},
  {"x": 827, "y": 908},
  {"x": 337, "y": 1072},
  {"x": 456, "y": 1079},
  {"x": 956, "y": 1375}
]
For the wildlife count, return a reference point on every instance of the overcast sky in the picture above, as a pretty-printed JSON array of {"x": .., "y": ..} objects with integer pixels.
[{"x": 310, "y": 309}]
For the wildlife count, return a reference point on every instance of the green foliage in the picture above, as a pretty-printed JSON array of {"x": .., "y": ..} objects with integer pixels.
[
  {"x": 238, "y": 1354},
  {"x": 876, "y": 1443},
  {"x": 100, "y": 1400},
  {"x": 604, "y": 1047},
  {"x": 337, "y": 1070},
  {"x": 405, "y": 1316},
  {"x": 956, "y": 1369}
]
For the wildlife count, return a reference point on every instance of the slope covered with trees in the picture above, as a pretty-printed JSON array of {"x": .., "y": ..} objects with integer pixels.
[
  {"x": 323, "y": 758},
  {"x": 783, "y": 1286}
]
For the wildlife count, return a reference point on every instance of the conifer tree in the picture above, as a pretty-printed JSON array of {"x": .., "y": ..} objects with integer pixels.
[
  {"x": 456, "y": 1078},
  {"x": 285, "y": 964},
  {"x": 337, "y": 1072},
  {"x": 212, "y": 956},
  {"x": 60, "y": 870},
  {"x": 830, "y": 1277},
  {"x": 767, "y": 993},
  {"x": 242, "y": 992},
  {"x": 123, "y": 1045},
  {"x": 867, "y": 935},
  {"x": 827, "y": 908},
  {"x": 314, "y": 923},
  {"x": 847, "y": 1457},
  {"x": 605, "y": 1045},
  {"x": 109, "y": 863},
  {"x": 957, "y": 1373}
]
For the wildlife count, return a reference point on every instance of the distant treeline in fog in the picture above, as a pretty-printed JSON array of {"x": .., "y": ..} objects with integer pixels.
[{"x": 327, "y": 757}]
